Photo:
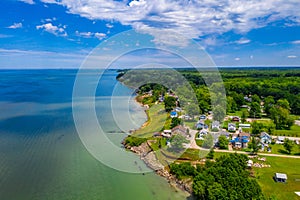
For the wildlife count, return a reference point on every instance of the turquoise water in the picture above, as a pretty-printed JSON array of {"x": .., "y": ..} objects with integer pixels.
[{"x": 41, "y": 155}]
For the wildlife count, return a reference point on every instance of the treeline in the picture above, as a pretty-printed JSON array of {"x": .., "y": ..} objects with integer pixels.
[
  {"x": 252, "y": 88},
  {"x": 227, "y": 178}
]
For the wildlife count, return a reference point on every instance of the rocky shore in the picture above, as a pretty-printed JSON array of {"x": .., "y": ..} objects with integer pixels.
[{"x": 148, "y": 156}]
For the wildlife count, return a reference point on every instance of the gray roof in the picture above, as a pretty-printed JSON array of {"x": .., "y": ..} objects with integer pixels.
[{"x": 280, "y": 175}]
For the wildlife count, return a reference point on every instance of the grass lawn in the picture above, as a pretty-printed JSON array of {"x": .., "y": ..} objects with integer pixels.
[
  {"x": 283, "y": 191},
  {"x": 294, "y": 132},
  {"x": 190, "y": 124},
  {"x": 279, "y": 149},
  {"x": 156, "y": 121}
]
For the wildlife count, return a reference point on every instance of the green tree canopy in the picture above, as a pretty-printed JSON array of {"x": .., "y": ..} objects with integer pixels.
[
  {"x": 223, "y": 142},
  {"x": 288, "y": 145},
  {"x": 170, "y": 103}
]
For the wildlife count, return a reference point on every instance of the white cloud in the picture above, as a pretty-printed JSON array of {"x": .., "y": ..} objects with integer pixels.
[
  {"x": 237, "y": 59},
  {"x": 55, "y": 30},
  {"x": 190, "y": 18},
  {"x": 292, "y": 56},
  {"x": 243, "y": 41},
  {"x": 109, "y": 25},
  {"x": 15, "y": 26},
  {"x": 100, "y": 36},
  {"x": 28, "y": 1},
  {"x": 296, "y": 42}
]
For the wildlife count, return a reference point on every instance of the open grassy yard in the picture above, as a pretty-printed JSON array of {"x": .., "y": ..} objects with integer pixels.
[
  {"x": 156, "y": 121},
  {"x": 279, "y": 149},
  {"x": 281, "y": 191},
  {"x": 294, "y": 132}
]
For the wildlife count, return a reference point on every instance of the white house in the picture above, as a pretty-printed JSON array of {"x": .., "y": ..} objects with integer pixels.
[{"x": 231, "y": 127}]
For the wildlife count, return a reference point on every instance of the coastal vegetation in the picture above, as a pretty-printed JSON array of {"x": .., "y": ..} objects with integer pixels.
[{"x": 226, "y": 178}]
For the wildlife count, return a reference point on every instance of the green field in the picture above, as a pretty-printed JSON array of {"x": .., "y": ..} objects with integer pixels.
[
  {"x": 294, "y": 132},
  {"x": 279, "y": 149},
  {"x": 156, "y": 120},
  {"x": 289, "y": 166}
]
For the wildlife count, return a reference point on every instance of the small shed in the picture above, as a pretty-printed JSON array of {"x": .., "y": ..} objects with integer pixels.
[{"x": 279, "y": 177}]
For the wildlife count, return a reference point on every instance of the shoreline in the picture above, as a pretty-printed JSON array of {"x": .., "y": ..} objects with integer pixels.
[{"x": 147, "y": 155}]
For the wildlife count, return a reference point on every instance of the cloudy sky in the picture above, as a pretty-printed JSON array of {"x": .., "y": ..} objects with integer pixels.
[{"x": 61, "y": 33}]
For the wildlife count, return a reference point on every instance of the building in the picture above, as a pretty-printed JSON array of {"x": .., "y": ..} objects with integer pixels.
[
  {"x": 231, "y": 127},
  {"x": 167, "y": 133},
  {"x": 215, "y": 125},
  {"x": 201, "y": 125},
  {"x": 179, "y": 130},
  {"x": 265, "y": 138},
  {"x": 173, "y": 114},
  {"x": 202, "y": 117},
  {"x": 235, "y": 119},
  {"x": 241, "y": 141},
  {"x": 279, "y": 177},
  {"x": 244, "y": 125}
]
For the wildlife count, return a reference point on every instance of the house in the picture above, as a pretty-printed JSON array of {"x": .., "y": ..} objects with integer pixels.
[
  {"x": 280, "y": 140},
  {"x": 187, "y": 117},
  {"x": 179, "y": 130},
  {"x": 167, "y": 133},
  {"x": 241, "y": 141},
  {"x": 265, "y": 138},
  {"x": 202, "y": 117},
  {"x": 245, "y": 125},
  {"x": 202, "y": 134},
  {"x": 279, "y": 177},
  {"x": 178, "y": 109},
  {"x": 235, "y": 119},
  {"x": 161, "y": 99},
  {"x": 215, "y": 125},
  {"x": 200, "y": 125},
  {"x": 231, "y": 127},
  {"x": 173, "y": 114},
  {"x": 224, "y": 133}
]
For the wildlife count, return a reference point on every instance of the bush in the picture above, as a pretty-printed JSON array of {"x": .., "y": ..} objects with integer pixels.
[{"x": 134, "y": 141}]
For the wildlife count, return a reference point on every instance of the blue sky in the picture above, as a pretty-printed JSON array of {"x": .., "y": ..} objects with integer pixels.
[{"x": 61, "y": 33}]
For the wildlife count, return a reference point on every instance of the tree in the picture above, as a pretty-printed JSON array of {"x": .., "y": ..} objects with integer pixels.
[
  {"x": 208, "y": 142},
  {"x": 255, "y": 98},
  {"x": 257, "y": 128},
  {"x": 254, "y": 145},
  {"x": 244, "y": 116},
  {"x": 255, "y": 110},
  {"x": 211, "y": 154},
  {"x": 218, "y": 180},
  {"x": 170, "y": 103},
  {"x": 231, "y": 105},
  {"x": 283, "y": 103},
  {"x": 269, "y": 102},
  {"x": 218, "y": 113},
  {"x": 192, "y": 109},
  {"x": 175, "y": 122},
  {"x": 288, "y": 145},
  {"x": 177, "y": 143},
  {"x": 281, "y": 117},
  {"x": 223, "y": 142}
]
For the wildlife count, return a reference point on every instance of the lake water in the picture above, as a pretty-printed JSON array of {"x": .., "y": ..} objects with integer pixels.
[{"x": 41, "y": 155}]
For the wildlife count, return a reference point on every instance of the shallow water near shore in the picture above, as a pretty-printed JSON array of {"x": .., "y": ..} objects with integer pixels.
[{"x": 41, "y": 155}]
